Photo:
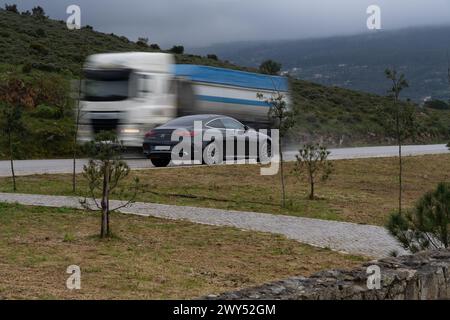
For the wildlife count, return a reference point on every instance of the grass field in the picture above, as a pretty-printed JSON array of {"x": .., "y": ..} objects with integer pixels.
[
  {"x": 147, "y": 258},
  {"x": 360, "y": 190}
]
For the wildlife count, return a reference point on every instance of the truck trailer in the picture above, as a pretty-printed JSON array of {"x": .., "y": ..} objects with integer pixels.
[{"x": 131, "y": 93}]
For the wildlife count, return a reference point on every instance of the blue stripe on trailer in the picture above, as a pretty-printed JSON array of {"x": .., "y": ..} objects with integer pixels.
[
  {"x": 233, "y": 101},
  {"x": 231, "y": 77}
]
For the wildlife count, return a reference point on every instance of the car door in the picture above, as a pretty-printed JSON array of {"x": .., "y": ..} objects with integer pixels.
[
  {"x": 236, "y": 136},
  {"x": 217, "y": 124}
]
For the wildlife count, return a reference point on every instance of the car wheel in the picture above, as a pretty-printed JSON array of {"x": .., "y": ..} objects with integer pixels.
[
  {"x": 212, "y": 154},
  {"x": 160, "y": 162},
  {"x": 265, "y": 152}
]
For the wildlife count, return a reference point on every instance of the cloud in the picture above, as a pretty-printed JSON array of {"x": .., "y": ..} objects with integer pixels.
[{"x": 202, "y": 22}]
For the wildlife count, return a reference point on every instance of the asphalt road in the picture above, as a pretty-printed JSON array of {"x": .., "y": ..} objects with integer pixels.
[{"x": 28, "y": 167}]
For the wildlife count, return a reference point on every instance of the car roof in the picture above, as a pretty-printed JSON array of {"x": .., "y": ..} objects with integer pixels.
[
  {"x": 202, "y": 116},
  {"x": 191, "y": 118}
]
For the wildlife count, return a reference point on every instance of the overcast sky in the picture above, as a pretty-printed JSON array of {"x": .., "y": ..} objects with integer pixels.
[{"x": 202, "y": 22}]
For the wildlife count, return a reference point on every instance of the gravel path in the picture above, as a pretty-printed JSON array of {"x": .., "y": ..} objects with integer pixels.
[{"x": 367, "y": 240}]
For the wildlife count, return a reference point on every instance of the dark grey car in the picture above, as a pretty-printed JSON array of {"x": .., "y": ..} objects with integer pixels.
[{"x": 237, "y": 141}]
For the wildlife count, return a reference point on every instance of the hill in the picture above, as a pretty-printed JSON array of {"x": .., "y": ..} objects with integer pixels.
[
  {"x": 46, "y": 44},
  {"x": 357, "y": 62},
  {"x": 43, "y": 56}
]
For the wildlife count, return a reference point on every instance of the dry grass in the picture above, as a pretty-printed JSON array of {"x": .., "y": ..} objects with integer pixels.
[
  {"x": 148, "y": 258},
  {"x": 360, "y": 190}
]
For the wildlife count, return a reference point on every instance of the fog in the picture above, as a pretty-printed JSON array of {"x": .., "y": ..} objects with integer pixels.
[{"x": 203, "y": 22}]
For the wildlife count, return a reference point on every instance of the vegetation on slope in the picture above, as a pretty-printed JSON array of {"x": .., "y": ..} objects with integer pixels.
[
  {"x": 41, "y": 52},
  {"x": 342, "y": 117},
  {"x": 48, "y": 45}
]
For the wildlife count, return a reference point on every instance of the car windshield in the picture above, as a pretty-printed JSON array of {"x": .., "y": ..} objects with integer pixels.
[{"x": 109, "y": 85}]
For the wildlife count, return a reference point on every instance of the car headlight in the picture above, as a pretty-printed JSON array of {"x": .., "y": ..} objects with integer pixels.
[{"x": 129, "y": 130}]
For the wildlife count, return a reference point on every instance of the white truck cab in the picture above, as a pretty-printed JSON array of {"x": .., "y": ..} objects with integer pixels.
[{"x": 127, "y": 92}]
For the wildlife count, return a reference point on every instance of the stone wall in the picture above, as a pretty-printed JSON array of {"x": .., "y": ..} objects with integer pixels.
[{"x": 424, "y": 275}]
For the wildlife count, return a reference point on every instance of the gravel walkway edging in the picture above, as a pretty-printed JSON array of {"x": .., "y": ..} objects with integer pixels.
[{"x": 366, "y": 240}]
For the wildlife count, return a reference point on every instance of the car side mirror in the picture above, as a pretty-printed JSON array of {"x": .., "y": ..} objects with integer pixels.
[{"x": 246, "y": 127}]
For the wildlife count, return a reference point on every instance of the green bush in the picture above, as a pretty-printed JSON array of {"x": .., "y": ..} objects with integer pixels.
[
  {"x": 41, "y": 33},
  {"x": 437, "y": 104},
  {"x": 427, "y": 225},
  {"x": 270, "y": 67},
  {"x": 177, "y": 49},
  {"x": 27, "y": 68},
  {"x": 212, "y": 57},
  {"x": 46, "y": 112},
  {"x": 48, "y": 67},
  {"x": 11, "y": 8},
  {"x": 39, "y": 48},
  {"x": 69, "y": 237}
]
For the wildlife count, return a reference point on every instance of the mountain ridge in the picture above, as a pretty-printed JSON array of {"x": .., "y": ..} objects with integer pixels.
[{"x": 357, "y": 61}]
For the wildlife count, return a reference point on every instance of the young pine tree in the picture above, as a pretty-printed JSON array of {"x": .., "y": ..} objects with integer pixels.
[{"x": 104, "y": 172}]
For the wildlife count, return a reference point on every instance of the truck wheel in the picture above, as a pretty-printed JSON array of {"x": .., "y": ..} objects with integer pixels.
[{"x": 160, "y": 162}]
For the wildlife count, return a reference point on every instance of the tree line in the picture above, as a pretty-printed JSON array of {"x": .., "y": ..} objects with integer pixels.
[{"x": 37, "y": 11}]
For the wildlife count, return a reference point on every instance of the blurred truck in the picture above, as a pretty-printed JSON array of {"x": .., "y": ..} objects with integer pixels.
[{"x": 131, "y": 93}]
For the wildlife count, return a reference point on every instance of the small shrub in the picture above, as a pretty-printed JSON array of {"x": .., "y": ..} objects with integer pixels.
[
  {"x": 11, "y": 8},
  {"x": 155, "y": 46},
  {"x": 39, "y": 48},
  {"x": 212, "y": 57},
  {"x": 27, "y": 68},
  {"x": 38, "y": 12},
  {"x": 142, "y": 42},
  {"x": 41, "y": 33},
  {"x": 68, "y": 237},
  {"x": 270, "y": 67},
  {"x": 427, "y": 225},
  {"x": 46, "y": 112},
  {"x": 49, "y": 67},
  {"x": 437, "y": 104},
  {"x": 177, "y": 49}
]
